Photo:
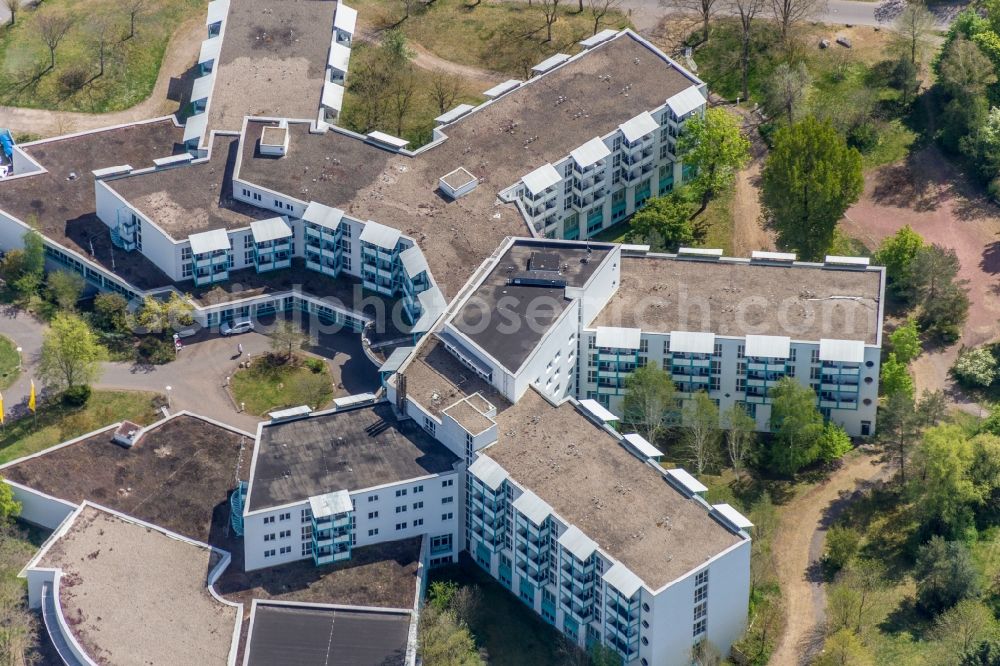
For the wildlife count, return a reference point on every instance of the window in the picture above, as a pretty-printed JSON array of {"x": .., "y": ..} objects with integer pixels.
[
  {"x": 268, "y": 520},
  {"x": 699, "y": 628},
  {"x": 269, "y": 553},
  {"x": 418, "y": 489},
  {"x": 306, "y": 515},
  {"x": 645, "y": 641},
  {"x": 373, "y": 498},
  {"x": 401, "y": 493},
  {"x": 418, "y": 522},
  {"x": 401, "y": 508},
  {"x": 269, "y": 537},
  {"x": 447, "y": 516},
  {"x": 429, "y": 425},
  {"x": 373, "y": 532},
  {"x": 285, "y": 550},
  {"x": 284, "y": 534},
  {"x": 400, "y": 526},
  {"x": 700, "y": 593},
  {"x": 447, "y": 500},
  {"x": 306, "y": 549},
  {"x": 307, "y": 532},
  {"x": 447, "y": 483},
  {"x": 701, "y": 578},
  {"x": 700, "y": 611},
  {"x": 372, "y": 515},
  {"x": 418, "y": 505},
  {"x": 285, "y": 516}
]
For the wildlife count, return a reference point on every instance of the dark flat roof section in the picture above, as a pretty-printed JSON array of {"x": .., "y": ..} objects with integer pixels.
[
  {"x": 524, "y": 295},
  {"x": 303, "y": 636},
  {"x": 344, "y": 450}
]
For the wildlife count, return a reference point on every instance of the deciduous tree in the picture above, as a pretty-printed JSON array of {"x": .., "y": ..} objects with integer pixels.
[
  {"x": 550, "y": 12},
  {"x": 650, "y": 402},
  {"x": 786, "y": 89},
  {"x": 134, "y": 9},
  {"x": 66, "y": 287},
  {"x": 945, "y": 575},
  {"x": 741, "y": 438},
  {"x": 964, "y": 71},
  {"x": 12, "y": 6},
  {"x": 700, "y": 421},
  {"x": 787, "y": 12},
  {"x": 905, "y": 341},
  {"x": 746, "y": 11},
  {"x": 914, "y": 24},
  {"x": 715, "y": 146},
  {"x": 844, "y": 648},
  {"x": 941, "y": 489},
  {"x": 663, "y": 222},
  {"x": 810, "y": 178},
  {"x": 895, "y": 377},
  {"x": 71, "y": 354},
  {"x": 898, "y": 429},
  {"x": 52, "y": 26},
  {"x": 797, "y": 426},
  {"x": 598, "y": 9},
  {"x": 287, "y": 336},
  {"x": 444, "y": 89}
]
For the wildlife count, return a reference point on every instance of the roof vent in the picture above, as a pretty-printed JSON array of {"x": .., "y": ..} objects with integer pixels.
[
  {"x": 846, "y": 263},
  {"x": 457, "y": 183},
  {"x": 127, "y": 434},
  {"x": 772, "y": 257},
  {"x": 699, "y": 254},
  {"x": 274, "y": 141}
]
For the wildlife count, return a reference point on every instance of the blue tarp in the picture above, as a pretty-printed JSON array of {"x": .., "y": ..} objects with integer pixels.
[{"x": 7, "y": 143}]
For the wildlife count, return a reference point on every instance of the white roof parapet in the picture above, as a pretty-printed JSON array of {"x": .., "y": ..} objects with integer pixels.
[
  {"x": 323, "y": 215},
  {"x": 732, "y": 516},
  {"x": 687, "y": 481},
  {"x": 784, "y": 257},
  {"x": 271, "y": 229},
  {"x": 638, "y": 127},
  {"x": 686, "y": 101},
  {"x": 172, "y": 160},
  {"x": 345, "y": 18},
  {"x": 550, "y": 62},
  {"x": 838, "y": 260},
  {"x": 119, "y": 170},
  {"x": 340, "y": 56},
  {"x": 453, "y": 114},
  {"x": 843, "y": 351},
  {"x": 691, "y": 342},
  {"x": 599, "y": 38},
  {"x": 380, "y": 235},
  {"x": 541, "y": 179},
  {"x": 217, "y": 11},
  {"x": 395, "y": 360},
  {"x": 533, "y": 507},
  {"x": 488, "y": 471},
  {"x": 642, "y": 446},
  {"x": 501, "y": 88},
  {"x": 330, "y": 504},
  {"x": 591, "y": 152},
  {"x": 598, "y": 411},
  {"x": 387, "y": 139},
  {"x": 577, "y": 543},
  {"x": 617, "y": 338},
  {"x": 700, "y": 252},
  {"x": 355, "y": 399},
  {"x": 768, "y": 346},
  {"x": 622, "y": 579},
  {"x": 210, "y": 49},
  {"x": 333, "y": 96},
  {"x": 414, "y": 262},
  {"x": 194, "y": 127},
  {"x": 202, "y": 87},
  {"x": 209, "y": 241},
  {"x": 291, "y": 412}
]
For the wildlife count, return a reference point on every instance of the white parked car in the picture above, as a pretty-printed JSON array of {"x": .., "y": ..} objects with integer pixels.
[{"x": 236, "y": 327}]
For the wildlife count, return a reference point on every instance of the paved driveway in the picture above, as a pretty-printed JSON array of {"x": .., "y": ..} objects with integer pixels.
[{"x": 26, "y": 332}]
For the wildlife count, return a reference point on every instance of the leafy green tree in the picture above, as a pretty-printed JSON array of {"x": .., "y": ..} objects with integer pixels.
[
  {"x": 963, "y": 626},
  {"x": 982, "y": 145},
  {"x": 975, "y": 367},
  {"x": 842, "y": 546},
  {"x": 797, "y": 426},
  {"x": 701, "y": 433},
  {"x": 741, "y": 438},
  {"x": 650, "y": 402},
  {"x": 66, "y": 287},
  {"x": 287, "y": 336},
  {"x": 984, "y": 472},
  {"x": 834, "y": 443},
  {"x": 942, "y": 491},
  {"x": 24, "y": 269},
  {"x": 158, "y": 316},
  {"x": 602, "y": 655},
  {"x": 964, "y": 72},
  {"x": 898, "y": 429},
  {"x": 716, "y": 148},
  {"x": 897, "y": 253},
  {"x": 10, "y": 508},
  {"x": 810, "y": 178},
  {"x": 945, "y": 575},
  {"x": 932, "y": 408},
  {"x": 445, "y": 641},
  {"x": 71, "y": 354},
  {"x": 987, "y": 653},
  {"x": 904, "y": 78},
  {"x": 905, "y": 341},
  {"x": 844, "y": 648},
  {"x": 663, "y": 222},
  {"x": 913, "y": 26},
  {"x": 895, "y": 377},
  {"x": 857, "y": 597},
  {"x": 942, "y": 316},
  {"x": 111, "y": 312},
  {"x": 786, "y": 90}
]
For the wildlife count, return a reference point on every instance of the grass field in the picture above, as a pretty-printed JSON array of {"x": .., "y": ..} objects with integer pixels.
[
  {"x": 75, "y": 83},
  {"x": 271, "y": 383},
  {"x": 58, "y": 423},
  {"x": 508, "y": 632}
]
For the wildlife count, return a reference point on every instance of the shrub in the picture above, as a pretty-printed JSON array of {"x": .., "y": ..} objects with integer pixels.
[
  {"x": 76, "y": 396},
  {"x": 842, "y": 545},
  {"x": 864, "y": 137},
  {"x": 315, "y": 365},
  {"x": 73, "y": 78},
  {"x": 975, "y": 367},
  {"x": 945, "y": 575},
  {"x": 156, "y": 350}
]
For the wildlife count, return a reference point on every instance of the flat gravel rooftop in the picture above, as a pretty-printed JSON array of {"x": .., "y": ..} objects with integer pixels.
[{"x": 344, "y": 450}]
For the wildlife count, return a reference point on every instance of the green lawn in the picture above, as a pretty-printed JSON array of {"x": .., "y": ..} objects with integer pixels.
[
  {"x": 503, "y": 626},
  {"x": 10, "y": 362},
  {"x": 75, "y": 84},
  {"x": 271, "y": 383},
  {"x": 58, "y": 423}
]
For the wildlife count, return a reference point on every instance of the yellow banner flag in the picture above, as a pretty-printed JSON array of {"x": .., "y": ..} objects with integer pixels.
[
  {"x": 3, "y": 417},
  {"x": 31, "y": 397}
]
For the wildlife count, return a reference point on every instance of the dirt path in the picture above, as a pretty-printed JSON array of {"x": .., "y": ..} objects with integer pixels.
[
  {"x": 798, "y": 548},
  {"x": 180, "y": 56},
  {"x": 424, "y": 59},
  {"x": 748, "y": 234}
]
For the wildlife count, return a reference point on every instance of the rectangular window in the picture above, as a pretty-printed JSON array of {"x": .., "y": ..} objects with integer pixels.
[
  {"x": 284, "y": 534},
  {"x": 400, "y": 493},
  {"x": 269, "y": 553},
  {"x": 269, "y": 537},
  {"x": 699, "y": 628},
  {"x": 447, "y": 483},
  {"x": 418, "y": 522},
  {"x": 400, "y": 526},
  {"x": 418, "y": 505},
  {"x": 700, "y": 611},
  {"x": 401, "y": 509},
  {"x": 418, "y": 489},
  {"x": 447, "y": 500},
  {"x": 268, "y": 520},
  {"x": 372, "y": 515},
  {"x": 285, "y": 550},
  {"x": 373, "y": 498},
  {"x": 373, "y": 532},
  {"x": 447, "y": 516}
]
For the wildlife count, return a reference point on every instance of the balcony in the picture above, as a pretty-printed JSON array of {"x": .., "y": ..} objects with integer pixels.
[{"x": 842, "y": 388}]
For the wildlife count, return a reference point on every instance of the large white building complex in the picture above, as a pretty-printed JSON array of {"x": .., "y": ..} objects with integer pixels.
[{"x": 505, "y": 335}]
